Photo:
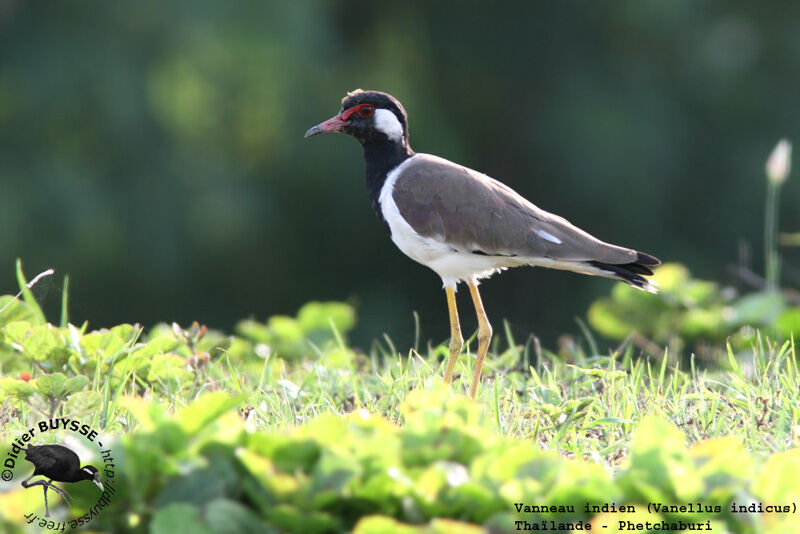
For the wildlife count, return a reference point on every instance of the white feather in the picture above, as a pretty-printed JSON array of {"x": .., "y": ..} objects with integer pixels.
[
  {"x": 548, "y": 236},
  {"x": 387, "y": 122}
]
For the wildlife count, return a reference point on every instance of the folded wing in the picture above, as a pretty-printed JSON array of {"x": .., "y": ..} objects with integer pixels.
[{"x": 473, "y": 212}]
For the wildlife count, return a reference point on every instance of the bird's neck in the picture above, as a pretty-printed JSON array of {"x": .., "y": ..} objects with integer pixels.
[{"x": 380, "y": 158}]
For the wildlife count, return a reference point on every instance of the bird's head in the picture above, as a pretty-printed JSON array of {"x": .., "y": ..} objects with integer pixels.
[
  {"x": 90, "y": 472},
  {"x": 370, "y": 117}
]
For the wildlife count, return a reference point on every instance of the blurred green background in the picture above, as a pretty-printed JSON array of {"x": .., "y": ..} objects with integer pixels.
[{"x": 154, "y": 151}]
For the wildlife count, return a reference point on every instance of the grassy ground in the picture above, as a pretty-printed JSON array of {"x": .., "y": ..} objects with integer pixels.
[
  {"x": 587, "y": 409},
  {"x": 310, "y": 428}
]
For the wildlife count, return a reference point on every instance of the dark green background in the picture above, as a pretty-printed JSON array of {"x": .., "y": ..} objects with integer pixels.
[{"x": 154, "y": 150}]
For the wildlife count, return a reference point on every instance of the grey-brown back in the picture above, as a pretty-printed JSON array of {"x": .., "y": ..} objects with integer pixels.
[{"x": 473, "y": 212}]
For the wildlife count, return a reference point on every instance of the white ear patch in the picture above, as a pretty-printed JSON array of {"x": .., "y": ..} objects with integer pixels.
[{"x": 386, "y": 122}]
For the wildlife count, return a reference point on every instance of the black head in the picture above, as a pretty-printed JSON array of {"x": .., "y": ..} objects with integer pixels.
[
  {"x": 372, "y": 117},
  {"x": 90, "y": 472}
]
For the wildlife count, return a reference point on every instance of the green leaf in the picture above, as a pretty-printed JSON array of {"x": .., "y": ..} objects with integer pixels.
[
  {"x": 294, "y": 455},
  {"x": 758, "y": 309},
  {"x": 215, "y": 343},
  {"x": 75, "y": 384},
  {"x": 16, "y": 331},
  {"x": 83, "y": 402},
  {"x": 204, "y": 410},
  {"x": 27, "y": 295},
  {"x": 671, "y": 277},
  {"x": 320, "y": 315},
  {"x": 167, "y": 437},
  {"x": 582, "y": 482},
  {"x": 603, "y": 318},
  {"x": 64, "y": 320},
  {"x": 337, "y": 358},
  {"x": 776, "y": 481},
  {"x": 19, "y": 389},
  {"x": 224, "y": 516},
  {"x": 607, "y": 421},
  {"x": 545, "y": 395},
  {"x": 789, "y": 323},
  {"x": 107, "y": 343},
  {"x": 169, "y": 369},
  {"x": 699, "y": 292},
  {"x": 158, "y": 345},
  {"x": 285, "y": 328},
  {"x": 377, "y": 524},
  {"x": 253, "y": 330},
  {"x": 198, "y": 488},
  {"x": 17, "y": 310},
  {"x": 45, "y": 344},
  {"x": 288, "y": 518},
  {"x": 724, "y": 465},
  {"x": 451, "y": 526},
  {"x": 331, "y": 477},
  {"x": 660, "y": 468},
  {"x": 471, "y": 500},
  {"x": 700, "y": 322},
  {"x": 176, "y": 518},
  {"x": 58, "y": 386}
]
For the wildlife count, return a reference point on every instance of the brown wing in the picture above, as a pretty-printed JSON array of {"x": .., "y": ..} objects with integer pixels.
[{"x": 472, "y": 212}]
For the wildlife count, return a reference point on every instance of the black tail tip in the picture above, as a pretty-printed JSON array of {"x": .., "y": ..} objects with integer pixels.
[{"x": 647, "y": 259}]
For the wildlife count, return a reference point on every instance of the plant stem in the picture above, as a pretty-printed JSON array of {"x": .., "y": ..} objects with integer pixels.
[{"x": 771, "y": 257}]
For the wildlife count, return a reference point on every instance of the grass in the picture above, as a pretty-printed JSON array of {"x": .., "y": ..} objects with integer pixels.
[
  {"x": 587, "y": 410},
  {"x": 300, "y": 393},
  {"x": 370, "y": 439}
]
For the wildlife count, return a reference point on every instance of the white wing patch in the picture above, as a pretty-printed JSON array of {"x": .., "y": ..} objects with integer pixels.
[
  {"x": 386, "y": 122},
  {"x": 548, "y": 236}
]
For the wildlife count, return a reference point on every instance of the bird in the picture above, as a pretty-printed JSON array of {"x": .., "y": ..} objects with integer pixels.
[
  {"x": 57, "y": 463},
  {"x": 461, "y": 223}
]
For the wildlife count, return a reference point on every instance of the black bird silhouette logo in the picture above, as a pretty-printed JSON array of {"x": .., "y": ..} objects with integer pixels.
[{"x": 57, "y": 463}]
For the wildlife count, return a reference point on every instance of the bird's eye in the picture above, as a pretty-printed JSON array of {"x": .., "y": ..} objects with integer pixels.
[{"x": 366, "y": 110}]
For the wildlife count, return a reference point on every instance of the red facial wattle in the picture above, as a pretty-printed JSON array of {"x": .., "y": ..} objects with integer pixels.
[
  {"x": 364, "y": 110},
  {"x": 337, "y": 123}
]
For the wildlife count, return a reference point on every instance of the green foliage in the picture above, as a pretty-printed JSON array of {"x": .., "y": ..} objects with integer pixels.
[
  {"x": 60, "y": 362},
  {"x": 15, "y": 388},
  {"x": 444, "y": 469},
  {"x": 27, "y": 294},
  {"x": 322, "y": 323},
  {"x": 57, "y": 385},
  {"x": 15, "y": 310},
  {"x": 692, "y": 312},
  {"x": 284, "y": 428}
]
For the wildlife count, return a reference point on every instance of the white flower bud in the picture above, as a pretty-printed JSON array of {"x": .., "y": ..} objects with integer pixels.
[{"x": 779, "y": 163}]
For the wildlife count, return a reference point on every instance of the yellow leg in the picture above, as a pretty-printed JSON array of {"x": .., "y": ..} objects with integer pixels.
[
  {"x": 484, "y": 337},
  {"x": 456, "y": 341}
]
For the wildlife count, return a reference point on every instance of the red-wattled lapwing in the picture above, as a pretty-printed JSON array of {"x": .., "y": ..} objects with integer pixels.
[
  {"x": 463, "y": 224},
  {"x": 58, "y": 464}
]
